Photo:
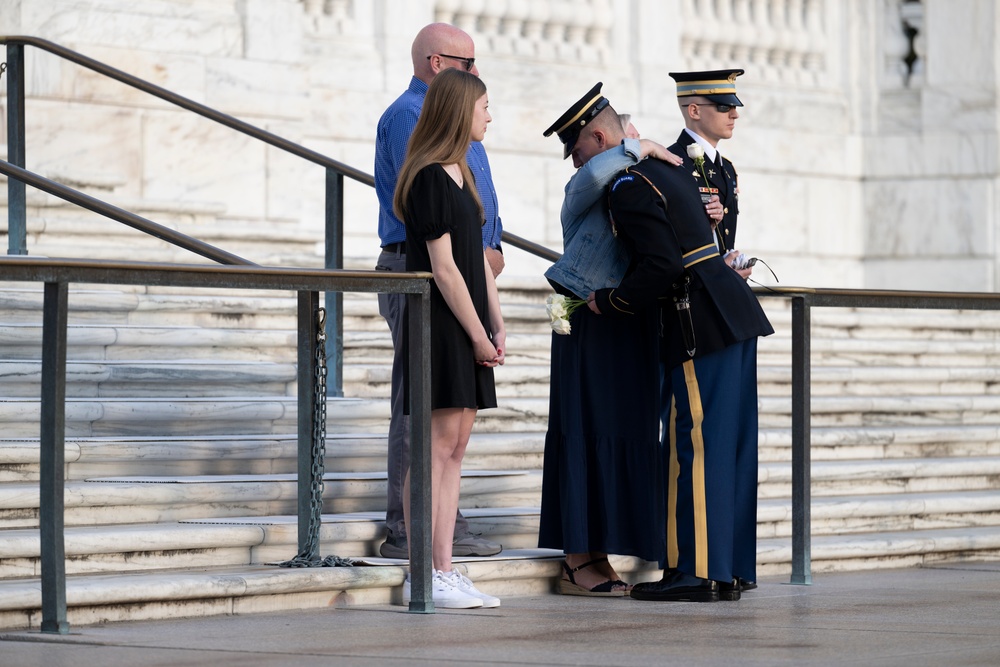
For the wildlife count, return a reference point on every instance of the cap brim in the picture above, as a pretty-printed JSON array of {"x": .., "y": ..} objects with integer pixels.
[{"x": 729, "y": 99}]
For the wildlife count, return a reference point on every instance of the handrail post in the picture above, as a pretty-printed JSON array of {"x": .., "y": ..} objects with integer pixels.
[
  {"x": 419, "y": 312},
  {"x": 334, "y": 300},
  {"x": 17, "y": 203},
  {"x": 308, "y": 304},
  {"x": 52, "y": 458},
  {"x": 801, "y": 442}
]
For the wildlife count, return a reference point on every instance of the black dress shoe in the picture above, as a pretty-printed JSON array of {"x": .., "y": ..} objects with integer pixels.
[
  {"x": 747, "y": 585},
  {"x": 729, "y": 591},
  {"x": 678, "y": 587}
]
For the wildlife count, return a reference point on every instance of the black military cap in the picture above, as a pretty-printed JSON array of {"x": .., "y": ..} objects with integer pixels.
[
  {"x": 719, "y": 85},
  {"x": 570, "y": 124}
]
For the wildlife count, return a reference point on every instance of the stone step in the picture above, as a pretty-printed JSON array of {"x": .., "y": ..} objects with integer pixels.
[
  {"x": 890, "y": 323},
  {"x": 68, "y": 234},
  {"x": 895, "y": 512},
  {"x": 246, "y": 589},
  {"x": 123, "y": 500},
  {"x": 118, "y": 343},
  {"x": 240, "y": 540},
  {"x": 246, "y": 415},
  {"x": 835, "y": 380},
  {"x": 366, "y": 452},
  {"x": 885, "y": 442},
  {"x": 523, "y": 375},
  {"x": 150, "y": 379},
  {"x": 865, "y": 477},
  {"x": 134, "y": 499},
  {"x": 888, "y": 351},
  {"x": 100, "y": 598},
  {"x": 234, "y": 541},
  {"x": 879, "y": 410},
  {"x": 150, "y": 300},
  {"x": 100, "y": 305},
  {"x": 277, "y": 414},
  {"x": 520, "y": 302},
  {"x": 19, "y": 417},
  {"x": 247, "y": 455},
  {"x": 88, "y": 374},
  {"x": 864, "y": 551}
]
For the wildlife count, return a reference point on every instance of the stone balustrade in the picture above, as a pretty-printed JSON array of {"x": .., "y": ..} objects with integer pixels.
[
  {"x": 781, "y": 40},
  {"x": 565, "y": 30},
  {"x": 338, "y": 15}
]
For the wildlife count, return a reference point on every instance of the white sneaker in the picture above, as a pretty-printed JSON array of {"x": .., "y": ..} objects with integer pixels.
[
  {"x": 445, "y": 594},
  {"x": 464, "y": 584}
]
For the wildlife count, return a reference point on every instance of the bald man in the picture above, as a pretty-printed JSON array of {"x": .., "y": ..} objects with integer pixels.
[{"x": 437, "y": 47}]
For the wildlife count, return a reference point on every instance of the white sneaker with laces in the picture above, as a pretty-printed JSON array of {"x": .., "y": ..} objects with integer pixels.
[
  {"x": 445, "y": 594},
  {"x": 464, "y": 584}
]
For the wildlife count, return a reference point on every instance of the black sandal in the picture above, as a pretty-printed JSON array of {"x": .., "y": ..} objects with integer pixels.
[{"x": 605, "y": 589}]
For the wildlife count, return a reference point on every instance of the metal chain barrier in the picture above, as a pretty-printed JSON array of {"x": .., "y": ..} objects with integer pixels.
[
  {"x": 305, "y": 557},
  {"x": 3, "y": 68}
]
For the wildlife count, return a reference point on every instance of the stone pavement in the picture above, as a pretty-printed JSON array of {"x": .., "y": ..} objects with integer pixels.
[{"x": 947, "y": 614}]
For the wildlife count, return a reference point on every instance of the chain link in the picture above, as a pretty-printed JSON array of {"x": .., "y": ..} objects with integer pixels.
[
  {"x": 305, "y": 557},
  {"x": 3, "y": 68}
]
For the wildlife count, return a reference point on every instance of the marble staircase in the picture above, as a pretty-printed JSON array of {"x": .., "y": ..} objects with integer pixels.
[{"x": 180, "y": 453}]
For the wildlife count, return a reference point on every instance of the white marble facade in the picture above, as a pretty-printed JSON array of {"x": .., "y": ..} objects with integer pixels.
[{"x": 867, "y": 150}]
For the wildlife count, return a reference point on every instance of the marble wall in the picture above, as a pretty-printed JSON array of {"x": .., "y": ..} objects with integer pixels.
[{"x": 867, "y": 150}]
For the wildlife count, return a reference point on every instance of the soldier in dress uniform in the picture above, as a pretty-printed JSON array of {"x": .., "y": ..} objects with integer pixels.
[
  {"x": 711, "y": 321},
  {"x": 708, "y": 103}
]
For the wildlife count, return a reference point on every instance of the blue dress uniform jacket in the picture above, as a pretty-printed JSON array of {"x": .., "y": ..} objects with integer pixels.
[
  {"x": 724, "y": 180},
  {"x": 710, "y": 382},
  {"x": 658, "y": 213}
]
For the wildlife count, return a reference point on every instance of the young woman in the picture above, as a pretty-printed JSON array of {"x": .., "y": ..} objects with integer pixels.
[{"x": 436, "y": 198}]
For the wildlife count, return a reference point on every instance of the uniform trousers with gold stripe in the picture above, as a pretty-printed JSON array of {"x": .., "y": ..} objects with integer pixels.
[{"x": 710, "y": 446}]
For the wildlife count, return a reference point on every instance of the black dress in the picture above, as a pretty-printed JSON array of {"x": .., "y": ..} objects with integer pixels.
[
  {"x": 602, "y": 485},
  {"x": 437, "y": 206}
]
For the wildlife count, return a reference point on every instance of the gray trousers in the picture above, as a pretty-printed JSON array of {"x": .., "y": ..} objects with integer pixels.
[{"x": 393, "y": 308}]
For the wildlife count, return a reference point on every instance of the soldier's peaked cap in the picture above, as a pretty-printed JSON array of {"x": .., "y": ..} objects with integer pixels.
[
  {"x": 719, "y": 85},
  {"x": 569, "y": 125}
]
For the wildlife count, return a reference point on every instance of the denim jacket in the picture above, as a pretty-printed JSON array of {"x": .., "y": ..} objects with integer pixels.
[{"x": 592, "y": 257}]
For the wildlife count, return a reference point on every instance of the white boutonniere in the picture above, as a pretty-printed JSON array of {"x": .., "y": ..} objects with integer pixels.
[{"x": 697, "y": 153}]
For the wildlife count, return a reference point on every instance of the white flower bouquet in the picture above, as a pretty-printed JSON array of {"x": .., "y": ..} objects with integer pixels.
[{"x": 559, "y": 308}]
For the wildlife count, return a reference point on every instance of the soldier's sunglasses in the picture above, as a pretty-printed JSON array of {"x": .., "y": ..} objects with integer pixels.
[{"x": 721, "y": 108}]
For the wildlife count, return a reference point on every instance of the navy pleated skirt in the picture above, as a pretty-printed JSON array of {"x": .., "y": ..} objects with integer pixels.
[{"x": 602, "y": 486}]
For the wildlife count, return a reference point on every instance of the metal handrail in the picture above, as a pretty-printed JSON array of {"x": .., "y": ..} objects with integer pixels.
[
  {"x": 803, "y": 300},
  {"x": 190, "y": 105},
  {"x": 236, "y": 124},
  {"x": 121, "y": 215},
  {"x": 58, "y": 274},
  {"x": 335, "y": 173}
]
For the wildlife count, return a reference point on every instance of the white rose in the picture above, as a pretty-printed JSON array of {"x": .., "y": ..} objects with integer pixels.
[
  {"x": 695, "y": 151},
  {"x": 556, "y": 306},
  {"x": 561, "y": 327}
]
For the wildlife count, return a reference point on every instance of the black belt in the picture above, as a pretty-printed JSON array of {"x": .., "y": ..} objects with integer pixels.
[{"x": 398, "y": 248}]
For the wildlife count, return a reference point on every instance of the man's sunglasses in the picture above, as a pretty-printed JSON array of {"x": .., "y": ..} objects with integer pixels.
[
  {"x": 469, "y": 62},
  {"x": 721, "y": 108}
]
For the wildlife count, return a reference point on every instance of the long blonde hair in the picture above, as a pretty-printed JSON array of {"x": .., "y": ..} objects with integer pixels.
[{"x": 443, "y": 132}]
